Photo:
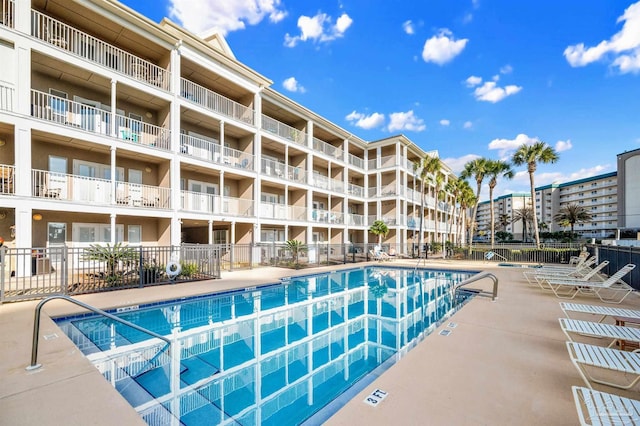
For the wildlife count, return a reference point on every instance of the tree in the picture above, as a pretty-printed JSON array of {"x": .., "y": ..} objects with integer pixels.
[
  {"x": 496, "y": 168},
  {"x": 439, "y": 196},
  {"x": 531, "y": 155},
  {"x": 572, "y": 214},
  {"x": 467, "y": 199},
  {"x": 424, "y": 169},
  {"x": 524, "y": 214},
  {"x": 476, "y": 169},
  {"x": 380, "y": 229},
  {"x": 295, "y": 247},
  {"x": 453, "y": 188},
  {"x": 503, "y": 221}
]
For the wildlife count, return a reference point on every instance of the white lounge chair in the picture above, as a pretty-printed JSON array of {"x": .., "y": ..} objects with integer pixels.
[
  {"x": 600, "y": 330},
  {"x": 574, "y": 260},
  {"x": 582, "y": 268},
  {"x": 568, "y": 288},
  {"x": 379, "y": 256},
  {"x": 603, "y": 311},
  {"x": 590, "y": 357},
  {"x": 583, "y": 274},
  {"x": 600, "y": 408}
]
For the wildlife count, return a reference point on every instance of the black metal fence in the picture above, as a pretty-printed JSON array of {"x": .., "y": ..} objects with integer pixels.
[
  {"x": 618, "y": 257},
  {"x": 35, "y": 273}
]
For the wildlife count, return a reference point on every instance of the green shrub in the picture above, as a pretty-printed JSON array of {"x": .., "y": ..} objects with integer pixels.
[{"x": 189, "y": 269}]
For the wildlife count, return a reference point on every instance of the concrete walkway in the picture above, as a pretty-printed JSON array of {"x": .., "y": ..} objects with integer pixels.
[{"x": 505, "y": 363}]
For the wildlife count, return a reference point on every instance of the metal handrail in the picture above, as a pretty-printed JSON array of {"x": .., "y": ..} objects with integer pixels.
[
  {"x": 36, "y": 326},
  {"x": 494, "y": 294}
]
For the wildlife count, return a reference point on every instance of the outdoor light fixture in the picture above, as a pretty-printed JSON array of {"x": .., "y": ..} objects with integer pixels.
[{"x": 37, "y": 217}]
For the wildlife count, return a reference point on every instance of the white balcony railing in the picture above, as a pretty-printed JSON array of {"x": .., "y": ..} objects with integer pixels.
[
  {"x": 90, "y": 48},
  {"x": 355, "y": 190},
  {"x": 7, "y": 93},
  {"x": 200, "y": 202},
  {"x": 273, "y": 210},
  {"x": 372, "y": 192},
  {"x": 355, "y": 219},
  {"x": 320, "y": 181},
  {"x": 238, "y": 159},
  {"x": 215, "y": 102},
  {"x": 272, "y": 168},
  {"x": 326, "y": 216},
  {"x": 83, "y": 189},
  {"x": 283, "y": 130},
  {"x": 90, "y": 119},
  {"x": 372, "y": 164},
  {"x": 356, "y": 161},
  {"x": 7, "y": 13},
  {"x": 7, "y": 173},
  {"x": 388, "y": 161},
  {"x": 388, "y": 190},
  {"x": 296, "y": 174},
  {"x": 337, "y": 185},
  {"x": 328, "y": 149},
  {"x": 297, "y": 213},
  {"x": 200, "y": 148},
  {"x": 237, "y": 206}
]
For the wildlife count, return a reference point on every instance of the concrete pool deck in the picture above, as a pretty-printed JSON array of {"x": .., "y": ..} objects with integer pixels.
[{"x": 504, "y": 363}]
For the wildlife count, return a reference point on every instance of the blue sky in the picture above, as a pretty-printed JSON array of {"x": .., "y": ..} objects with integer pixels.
[{"x": 470, "y": 78}]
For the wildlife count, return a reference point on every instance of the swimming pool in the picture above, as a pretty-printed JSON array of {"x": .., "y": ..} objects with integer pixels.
[{"x": 276, "y": 354}]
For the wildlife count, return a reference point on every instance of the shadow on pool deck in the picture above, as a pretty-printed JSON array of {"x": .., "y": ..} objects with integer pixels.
[{"x": 505, "y": 363}]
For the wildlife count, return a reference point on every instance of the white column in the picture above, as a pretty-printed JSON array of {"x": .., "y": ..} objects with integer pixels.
[
  {"x": 310, "y": 134},
  {"x": 233, "y": 232},
  {"x": 112, "y": 223},
  {"x": 112, "y": 151}
]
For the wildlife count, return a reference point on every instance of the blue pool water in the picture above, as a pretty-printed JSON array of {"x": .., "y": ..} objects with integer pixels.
[{"x": 273, "y": 355}]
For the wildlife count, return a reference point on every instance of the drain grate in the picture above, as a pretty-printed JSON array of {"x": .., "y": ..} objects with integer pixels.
[
  {"x": 50, "y": 336},
  {"x": 445, "y": 332}
]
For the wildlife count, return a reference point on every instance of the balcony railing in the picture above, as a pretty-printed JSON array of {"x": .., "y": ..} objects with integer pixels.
[
  {"x": 273, "y": 210},
  {"x": 372, "y": 192},
  {"x": 356, "y": 190},
  {"x": 90, "y": 119},
  {"x": 7, "y": 174},
  {"x": 356, "y": 161},
  {"x": 200, "y": 148},
  {"x": 326, "y": 216},
  {"x": 215, "y": 102},
  {"x": 355, "y": 219},
  {"x": 320, "y": 181},
  {"x": 7, "y": 10},
  {"x": 62, "y": 186},
  {"x": 388, "y": 161},
  {"x": 327, "y": 149},
  {"x": 237, "y": 207},
  {"x": 272, "y": 168},
  {"x": 7, "y": 93},
  {"x": 200, "y": 202},
  {"x": 389, "y": 190},
  {"x": 337, "y": 185},
  {"x": 283, "y": 130},
  {"x": 67, "y": 38},
  {"x": 372, "y": 164},
  {"x": 238, "y": 159},
  {"x": 297, "y": 174},
  {"x": 297, "y": 213}
]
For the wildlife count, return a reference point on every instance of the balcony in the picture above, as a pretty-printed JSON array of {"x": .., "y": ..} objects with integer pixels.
[
  {"x": 327, "y": 216},
  {"x": 388, "y": 161},
  {"x": 215, "y": 102},
  {"x": 356, "y": 161},
  {"x": 237, "y": 207},
  {"x": 83, "y": 189},
  {"x": 200, "y": 149},
  {"x": 355, "y": 219},
  {"x": 298, "y": 213},
  {"x": 283, "y": 130},
  {"x": 273, "y": 210},
  {"x": 83, "y": 117},
  {"x": 355, "y": 190},
  {"x": 296, "y": 174},
  {"x": 388, "y": 190},
  {"x": 237, "y": 159},
  {"x": 273, "y": 168},
  {"x": 78, "y": 43},
  {"x": 7, "y": 93},
  {"x": 327, "y": 149},
  {"x": 7, "y": 174},
  {"x": 7, "y": 13}
]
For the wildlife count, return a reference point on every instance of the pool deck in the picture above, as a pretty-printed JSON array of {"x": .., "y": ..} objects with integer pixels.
[{"x": 504, "y": 363}]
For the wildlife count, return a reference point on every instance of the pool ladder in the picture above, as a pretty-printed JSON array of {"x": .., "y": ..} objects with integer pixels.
[
  {"x": 36, "y": 326},
  {"x": 493, "y": 294}
]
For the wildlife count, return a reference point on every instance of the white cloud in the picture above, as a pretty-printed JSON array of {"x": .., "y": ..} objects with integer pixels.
[
  {"x": 623, "y": 48},
  {"x": 224, "y": 16},
  {"x": 467, "y": 18},
  {"x": 467, "y": 124},
  {"x": 473, "y": 81},
  {"x": 444, "y": 122},
  {"x": 475, "y": 3},
  {"x": 506, "y": 146},
  {"x": 442, "y": 48},
  {"x": 490, "y": 92},
  {"x": 563, "y": 145},
  {"x": 408, "y": 27},
  {"x": 292, "y": 85},
  {"x": 365, "y": 121},
  {"x": 507, "y": 69},
  {"x": 319, "y": 28},
  {"x": 457, "y": 164},
  {"x": 405, "y": 121}
]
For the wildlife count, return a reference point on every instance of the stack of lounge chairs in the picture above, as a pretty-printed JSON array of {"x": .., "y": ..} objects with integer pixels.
[{"x": 603, "y": 364}]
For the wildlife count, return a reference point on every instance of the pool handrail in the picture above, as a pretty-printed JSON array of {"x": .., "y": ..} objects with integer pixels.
[
  {"x": 477, "y": 277},
  {"x": 36, "y": 326}
]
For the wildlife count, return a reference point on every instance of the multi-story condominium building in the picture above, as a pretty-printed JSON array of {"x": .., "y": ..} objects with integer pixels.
[
  {"x": 597, "y": 194},
  {"x": 629, "y": 190},
  {"x": 116, "y": 128},
  {"x": 504, "y": 208}
]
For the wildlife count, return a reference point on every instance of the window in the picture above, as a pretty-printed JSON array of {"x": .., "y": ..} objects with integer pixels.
[
  {"x": 57, "y": 233},
  {"x": 58, "y": 104},
  {"x": 91, "y": 233},
  {"x": 134, "y": 234}
]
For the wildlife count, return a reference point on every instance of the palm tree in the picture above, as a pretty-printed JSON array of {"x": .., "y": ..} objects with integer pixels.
[
  {"x": 531, "y": 155},
  {"x": 524, "y": 214},
  {"x": 503, "y": 221},
  {"x": 425, "y": 167},
  {"x": 380, "y": 229},
  {"x": 467, "y": 199},
  {"x": 453, "y": 188},
  {"x": 496, "y": 168},
  {"x": 572, "y": 214},
  {"x": 295, "y": 247},
  {"x": 439, "y": 196},
  {"x": 477, "y": 169}
]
